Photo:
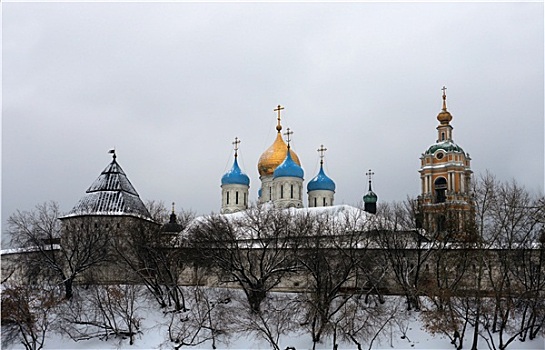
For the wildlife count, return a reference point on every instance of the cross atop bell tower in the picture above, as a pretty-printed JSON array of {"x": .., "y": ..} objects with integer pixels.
[{"x": 444, "y": 130}]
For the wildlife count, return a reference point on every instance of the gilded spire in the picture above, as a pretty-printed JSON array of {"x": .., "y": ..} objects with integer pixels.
[
  {"x": 276, "y": 153},
  {"x": 278, "y": 109},
  {"x": 444, "y": 117},
  {"x": 444, "y": 98}
]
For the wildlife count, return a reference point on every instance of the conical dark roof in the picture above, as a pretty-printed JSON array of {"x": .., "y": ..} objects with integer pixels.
[{"x": 111, "y": 194}]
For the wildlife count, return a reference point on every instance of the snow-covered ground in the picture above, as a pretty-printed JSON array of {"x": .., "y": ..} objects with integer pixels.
[
  {"x": 154, "y": 336},
  {"x": 408, "y": 333}
]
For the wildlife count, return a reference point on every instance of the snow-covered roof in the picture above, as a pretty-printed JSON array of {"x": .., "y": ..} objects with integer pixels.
[
  {"x": 111, "y": 194},
  {"x": 29, "y": 249},
  {"x": 358, "y": 219}
]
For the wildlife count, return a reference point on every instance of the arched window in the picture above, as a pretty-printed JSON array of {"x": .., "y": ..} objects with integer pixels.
[
  {"x": 440, "y": 190},
  {"x": 227, "y": 197},
  {"x": 281, "y": 191},
  {"x": 291, "y": 191},
  {"x": 236, "y": 197},
  {"x": 315, "y": 200}
]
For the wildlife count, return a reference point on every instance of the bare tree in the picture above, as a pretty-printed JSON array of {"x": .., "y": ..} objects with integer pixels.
[
  {"x": 142, "y": 255},
  {"x": 449, "y": 286},
  {"x": 405, "y": 249},
  {"x": 255, "y": 249},
  {"x": 155, "y": 258},
  {"x": 207, "y": 318},
  {"x": 278, "y": 318},
  {"x": 62, "y": 252},
  {"x": 515, "y": 272},
  {"x": 495, "y": 282},
  {"x": 366, "y": 322},
  {"x": 529, "y": 277},
  {"x": 27, "y": 314},
  {"x": 331, "y": 253},
  {"x": 104, "y": 312}
]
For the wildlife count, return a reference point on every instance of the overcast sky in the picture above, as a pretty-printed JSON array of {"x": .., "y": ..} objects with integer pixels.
[{"x": 170, "y": 85}]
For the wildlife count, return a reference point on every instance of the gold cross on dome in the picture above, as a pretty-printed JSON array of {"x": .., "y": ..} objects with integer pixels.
[
  {"x": 288, "y": 133},
  {"x": 444, "y": 98},
  {"x": 369, "y": 174},
  {"x": 278, "y": 109},
  {"x": 322, "y": 150}
]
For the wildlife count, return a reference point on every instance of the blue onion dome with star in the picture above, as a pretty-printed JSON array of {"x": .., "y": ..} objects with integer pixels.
[
  {"x": 321, "y": 182},
  {"x": 289, "y": 168},
  {"x": 235, "y": 176}
]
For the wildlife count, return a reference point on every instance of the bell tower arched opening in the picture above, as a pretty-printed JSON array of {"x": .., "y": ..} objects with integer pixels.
[{"x": 440, "y": 186}]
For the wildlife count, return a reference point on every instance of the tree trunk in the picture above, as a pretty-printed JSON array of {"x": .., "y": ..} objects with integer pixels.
[
  {"x": 476, "y": 329},
  {"x": 255, "y": 298},
  {"x": 68, "y": 292}
]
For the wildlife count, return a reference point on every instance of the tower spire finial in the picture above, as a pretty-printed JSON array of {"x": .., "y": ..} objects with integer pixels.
[
  {"x": 173, "y": 207},
  {"x": 322, "y": 150},
  {"x": 444, "y": 117},
  {"x": 236, "y": 143},
  {"x": 444, "y": 98},
  {"x": 369, "y": 175},
  {"x": 112, "y": 151},
  {"x": 288, "y": 133},
  {"x": 278, "y": 109}
]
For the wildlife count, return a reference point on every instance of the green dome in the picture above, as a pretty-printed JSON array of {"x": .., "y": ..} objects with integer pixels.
[
  {"x": 447, "y": 146},
  {"x": 370, "y": 197}
]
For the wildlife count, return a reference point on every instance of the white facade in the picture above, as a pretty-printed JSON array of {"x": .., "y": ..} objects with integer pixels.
[
  {"x": 320, "y": 198},
  {"x": 266, "y": 189},
  {"x": 234, "y": 197},
  {"x": 287, "y": 192}
]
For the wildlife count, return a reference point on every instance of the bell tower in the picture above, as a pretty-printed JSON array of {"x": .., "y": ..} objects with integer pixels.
[{"x": 445, "y": 173}]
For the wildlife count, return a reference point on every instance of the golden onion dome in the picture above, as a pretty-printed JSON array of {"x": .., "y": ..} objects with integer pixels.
[
  {"x": 444, "y": 117},
  {"x": 274, "y": 156}
]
